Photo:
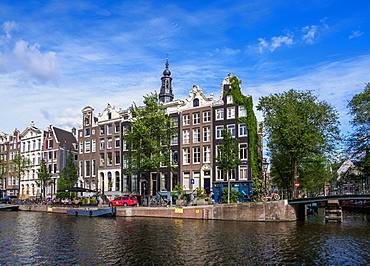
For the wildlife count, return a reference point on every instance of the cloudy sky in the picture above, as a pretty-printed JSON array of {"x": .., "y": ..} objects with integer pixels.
[{"x": 56, "y": 57}]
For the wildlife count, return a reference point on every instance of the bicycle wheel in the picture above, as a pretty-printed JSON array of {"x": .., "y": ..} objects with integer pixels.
[{"x": 276, "y": 197}]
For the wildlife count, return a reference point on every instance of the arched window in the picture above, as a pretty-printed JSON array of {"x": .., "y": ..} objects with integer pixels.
[{"x": 196, "y": 102}]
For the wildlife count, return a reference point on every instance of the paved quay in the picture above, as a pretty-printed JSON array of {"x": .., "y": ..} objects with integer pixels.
[{"x": 255, "y": 211}]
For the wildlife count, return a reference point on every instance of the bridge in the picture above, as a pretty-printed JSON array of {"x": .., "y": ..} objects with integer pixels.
[{"x": 333, "y": 197}]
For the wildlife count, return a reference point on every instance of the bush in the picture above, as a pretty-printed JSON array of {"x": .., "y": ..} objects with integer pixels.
[{"x": 234, "y": 195}]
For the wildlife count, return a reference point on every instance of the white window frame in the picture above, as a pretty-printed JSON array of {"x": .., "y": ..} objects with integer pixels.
[
  {"x": 231, "y": 112},
  {"x": 229, "y": 99},
  {"x": 87, "y": 146},
  {"x": 242, "y": 111},
  {"x": 243, "y": 132},
  {"x": 206, "y": 154},
  {"x": 186, "y": 156},
  {"x": 196, "y": 135},
  {"x": 231, "y": 129},
  {"x": 186, "y": 120},
  {"x": 206, "y": 116},
  {"x": 196, "y": 118},
  {"x": 243, "y": 172},
  {"x": 206, "y": 134},
  {"x": 196, "y": 155},
  {"x": 186, "y": 136},
  {"x": 218, "y": 132},
  {"x": 220, "y": 114},
  {"x": 243, "y": 151}
]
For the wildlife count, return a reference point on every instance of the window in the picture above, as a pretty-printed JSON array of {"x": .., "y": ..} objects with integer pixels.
[
  {"x": 109, "y": 158},
  {"x": 186, "y": 136},
  {"x": 175, "y": 121},
  {"x": 219, "y": 174},
  {"x": 206, "y": 134},
  {"x": 196, "y": 118},
  {"x": 230, "y": 112},
  {"x": 186, "y": 156},
  {"x": 124, "y": 146},
  {"x": 196, "y": 102},
  {"x": 101, "y": 159},
  {"x": 102, "y": 145},
  {"x": 87, "y": 121},
  {"x": 55, "y": 154},
  {"x": 87, "y": 145},
  {"x": 229, "y": 99},
  {"x": 109, "y": 129},
  {"x": 118, "y": 142},
  {"x": 243, "y": 172},
  {"x": 206, "y": 154},
  {"x": 242, "y": 130},
  {"x": 219, "y": 114},
  {"x": 186, "y": 120},
  {"x": 174, "y": 157},
  {"x": 231, "y": 129},
  {"x": 242, "y": 111},
  {"x": 87, "y": 132},
  {"x": 219, "y": 132},
  {"x": 109, "y": 115},
  {"x": 81, "y": 147},
  {"x": 196, "y": 155},
  {"x": 93, "y": 167},
  {"x": 116, "y": 127},
  {"x": 175, "y": 139},
  {"x": 118, "y": 157},
  {"x": 109, "y": 143},
  {"x": 243, "y": 152},
  {"x": 93, "y": 145},
  {"x": 87, "y": 168},
  {"x": 207, "y": 116},
  {"x": 196, "y": 135},
  {"x": 101, "y": 130}
]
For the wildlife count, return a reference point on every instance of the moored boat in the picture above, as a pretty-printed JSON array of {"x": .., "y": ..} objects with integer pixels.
[
  {"x": 9, "y": 208},
  {"x": 93, "y": 212}
]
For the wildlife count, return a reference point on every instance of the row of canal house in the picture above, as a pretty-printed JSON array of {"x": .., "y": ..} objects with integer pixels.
[
  {"x": 199, "y": 120},
  {"x": 53, "y": 144}
]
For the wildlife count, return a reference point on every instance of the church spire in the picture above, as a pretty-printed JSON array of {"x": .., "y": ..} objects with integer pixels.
[{"x": 165, "y": 94}]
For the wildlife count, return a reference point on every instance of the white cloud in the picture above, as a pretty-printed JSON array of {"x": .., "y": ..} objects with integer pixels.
[
  {"x": 355, "y": 34},
  {"x": 42, "y": 66},
  {"x": 310, "y": 31},
  {"x": 276, "y": 42},
  {"x": 8, "y": 27}
]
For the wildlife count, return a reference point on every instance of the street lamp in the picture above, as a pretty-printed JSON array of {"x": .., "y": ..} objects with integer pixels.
[{"x": 265, "y": 166}]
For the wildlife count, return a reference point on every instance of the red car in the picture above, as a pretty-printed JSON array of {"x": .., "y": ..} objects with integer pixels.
[{"x": 124, "y": 201}]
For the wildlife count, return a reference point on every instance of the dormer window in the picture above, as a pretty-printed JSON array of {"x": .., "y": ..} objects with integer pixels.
[
  {"x": 196, "y": 102},
  {"x": 109, "y": 115}
]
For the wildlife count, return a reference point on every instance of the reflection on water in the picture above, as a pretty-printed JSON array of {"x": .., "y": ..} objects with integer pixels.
[{"x": 31, "y": 238}]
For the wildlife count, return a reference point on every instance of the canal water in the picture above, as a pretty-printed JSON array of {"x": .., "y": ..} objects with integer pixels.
[{"x": 36, "y": 238}]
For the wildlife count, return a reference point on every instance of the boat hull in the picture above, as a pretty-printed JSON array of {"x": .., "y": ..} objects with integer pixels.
[
  {"x": 9, "y": 208},
  {"x": 93, "y": 213}
]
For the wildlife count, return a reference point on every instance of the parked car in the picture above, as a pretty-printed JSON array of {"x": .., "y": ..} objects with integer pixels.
[
  {"x": 8, "y": 199},
  {"x": 124, "y": 201}
]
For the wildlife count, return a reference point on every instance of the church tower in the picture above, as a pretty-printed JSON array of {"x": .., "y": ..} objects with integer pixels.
[{"x": 165, "y": 94}]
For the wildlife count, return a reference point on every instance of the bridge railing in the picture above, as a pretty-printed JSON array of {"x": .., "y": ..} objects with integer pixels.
[{"x": 325, "y": 190}]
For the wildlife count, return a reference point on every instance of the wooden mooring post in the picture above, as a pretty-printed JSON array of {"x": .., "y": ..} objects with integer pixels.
[{"x": 333, "y": 211}]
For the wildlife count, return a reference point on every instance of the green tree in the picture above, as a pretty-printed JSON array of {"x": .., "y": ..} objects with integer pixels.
[
  {"x": 149, "y": 139},
  {"x": 228, "y": 156},
  {"x": 299, "y": 128},
  {"x": 69, "y": 174},
  {"x": 227, "y": 197},
  {"x": 44, "y": 177},
  {"x": 3, "y": 169},
  {"x": 359, "y": 140},
  {"x": 20, "y": 165}
]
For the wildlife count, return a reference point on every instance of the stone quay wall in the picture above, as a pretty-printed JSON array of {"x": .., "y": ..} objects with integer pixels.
[{"x": 255, "y": 211}]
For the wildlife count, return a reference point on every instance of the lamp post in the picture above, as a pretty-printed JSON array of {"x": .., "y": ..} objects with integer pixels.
[{"x": 265, "y": 165}]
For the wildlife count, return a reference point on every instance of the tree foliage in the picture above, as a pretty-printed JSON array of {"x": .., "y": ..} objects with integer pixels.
[
  {"x": 228, "y": 156},
  {"x": 69, "y": 174},
  {"x": 20, "y": 165},
  {"x": 359, "y": 140},
  {"x": 302, "y": 133},
  {"x": 148, "y": 140},
  {"x": 43, "y": 176}
]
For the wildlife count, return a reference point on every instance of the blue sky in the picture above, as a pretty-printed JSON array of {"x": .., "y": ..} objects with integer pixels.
[{"x": 56, "y": 57}]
